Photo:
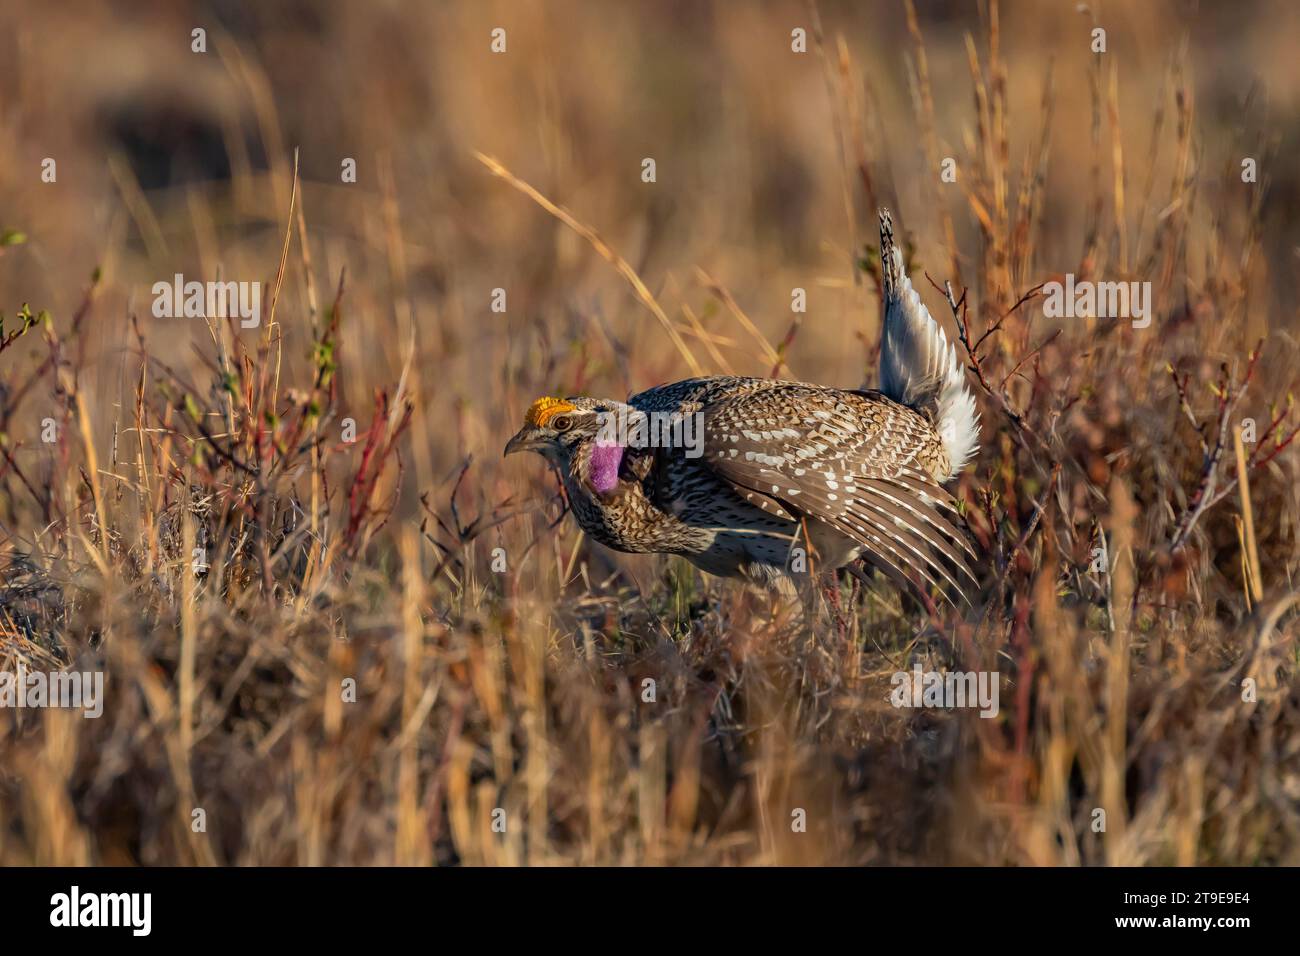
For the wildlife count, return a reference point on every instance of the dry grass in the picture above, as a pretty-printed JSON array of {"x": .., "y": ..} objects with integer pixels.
[{"x": 1161, "y": 690}]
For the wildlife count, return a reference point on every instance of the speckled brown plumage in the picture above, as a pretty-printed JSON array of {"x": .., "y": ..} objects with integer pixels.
[
  {"x": 790, "y": 477},
  {"x": 784, "y": 465}
]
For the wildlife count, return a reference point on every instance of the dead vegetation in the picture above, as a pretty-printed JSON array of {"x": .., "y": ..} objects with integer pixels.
[{"x": 205, "y": 531}]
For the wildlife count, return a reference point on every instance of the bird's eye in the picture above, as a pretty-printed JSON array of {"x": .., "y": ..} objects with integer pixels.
[{"x": 561, "y": 423}]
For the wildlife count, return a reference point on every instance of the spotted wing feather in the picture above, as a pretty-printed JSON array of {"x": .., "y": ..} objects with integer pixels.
[{"x": 851, "y": 460}]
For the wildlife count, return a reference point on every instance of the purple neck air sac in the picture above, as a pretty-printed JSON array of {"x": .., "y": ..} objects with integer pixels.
[{"x": 605, "y": 460}]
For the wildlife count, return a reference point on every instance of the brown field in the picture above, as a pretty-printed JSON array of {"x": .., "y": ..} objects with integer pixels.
[{"x": 310, "y": 639}]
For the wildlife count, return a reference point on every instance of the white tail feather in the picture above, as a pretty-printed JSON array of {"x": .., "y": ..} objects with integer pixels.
[{"x": 918, "y": 367}]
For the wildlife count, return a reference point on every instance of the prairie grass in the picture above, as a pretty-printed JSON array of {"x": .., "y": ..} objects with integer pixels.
[{"x": 335, "y": 622}]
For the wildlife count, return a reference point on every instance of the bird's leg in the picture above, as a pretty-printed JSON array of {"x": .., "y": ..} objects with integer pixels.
[
  {"x": 746, "y": 619},
  {"x": 807, "y": 606},
  {"x": 832, "y": 594}
]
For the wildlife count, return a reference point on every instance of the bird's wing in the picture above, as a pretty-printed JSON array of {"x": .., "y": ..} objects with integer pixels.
[{"x": 849, "y": 460}]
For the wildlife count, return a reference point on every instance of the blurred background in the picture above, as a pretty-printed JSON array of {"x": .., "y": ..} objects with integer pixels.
[{"x": 776, "y": 129}]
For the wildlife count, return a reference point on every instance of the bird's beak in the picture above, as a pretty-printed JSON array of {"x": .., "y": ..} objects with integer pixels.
[{"x": 526, "y": 440}]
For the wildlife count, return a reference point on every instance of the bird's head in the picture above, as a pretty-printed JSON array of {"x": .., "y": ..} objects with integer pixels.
[
  {"x": 557, "y": 428},
  {"x": 584, "y": 437}
]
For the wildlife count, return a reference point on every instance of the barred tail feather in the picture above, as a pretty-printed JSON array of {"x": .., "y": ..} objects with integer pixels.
[{"x": 918, "y": 366}]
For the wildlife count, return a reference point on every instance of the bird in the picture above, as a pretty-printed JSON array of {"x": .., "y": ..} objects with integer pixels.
[{"x": 764, "y": 479}]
